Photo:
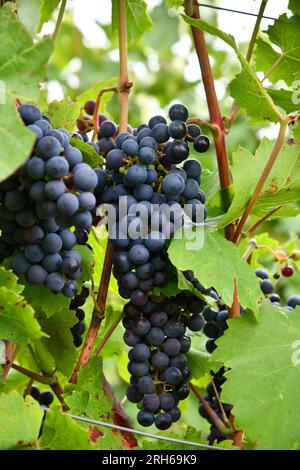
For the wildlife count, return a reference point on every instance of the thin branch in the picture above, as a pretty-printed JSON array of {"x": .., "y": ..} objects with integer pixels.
[
  {"x": 59, "y": 19},
  {"x": 194, "y": 120},
  {"x": 226, "y": 421},
  {"x": 192, "y": 9},
  {"x": 124, "y": 83},
  {"x": 235, "y": 108},
  {"x": 97, "y": 106},
  {"x": 272, "y": 68},
  {"x": 33, "y": 375},
  {"x": 109, "y": 333},
  {"x": 98, "y": 313},
  {"x": 211, "y": 413},
  {"x": 261, "y": 221},
  {"x": 10, "y": 355},
  {"x": 262, "y": 180}
]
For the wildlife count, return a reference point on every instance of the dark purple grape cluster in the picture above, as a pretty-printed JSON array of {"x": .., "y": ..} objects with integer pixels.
[
  {"x": 212, "y": 397},
  {"x": 44, "y": 398},
  {"x": 49, "y": 194},
  {"x": 268, "y": 288},
  {"x": 76, "y": 304},
  {"x": 157, "y": 334}
]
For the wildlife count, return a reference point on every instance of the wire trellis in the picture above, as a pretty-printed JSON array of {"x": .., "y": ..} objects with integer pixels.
[{"x": 214, "y": 7}]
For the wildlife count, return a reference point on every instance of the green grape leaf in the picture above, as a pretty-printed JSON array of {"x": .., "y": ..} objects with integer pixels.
[
  {"x": 199, "y": 363},
  {"x": 218, "y": 264},
  {"x": 190, "y": 434},
  {"x": 42, "y": 299},
  {"x": 264, "y": 369},
  {"x": 17, "y": 320},
  {"x": 294, "y": 6},
  {"x": 87, "y": 262},
  {"x": 89, "y": 154},
  {"x": 64, "y": 114},
  {"x": 138, "y": 20},
  {"x": 285, "y": 100},
  {"x": 61, "y": 432},
  {"x": 281, "y": 187},
  {"x": 283, "y": 65},
  {"x": 20, "y": 421},
  {"x": 59, "y": 344},
  {"x": 87, "y": 397},
  {"x": 47, "y": 9},
  {"x": 246, "y": 88},
  {"x": 22, "y": 67}
]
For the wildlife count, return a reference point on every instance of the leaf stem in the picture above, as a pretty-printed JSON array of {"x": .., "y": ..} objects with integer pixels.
[
  {"x": 268, "y": 168},
  {"x": 192, "y": 10},
  {"x": 109, "y": 333},
  {"x": 97, "y": 105},
  {"x": 10, "y": 355},
  {"x": 59, "y": 19},
  {"x": 34, "y": 376},
  {"x": 211, "y": 413},
  {"x": 261, "y": 221}
]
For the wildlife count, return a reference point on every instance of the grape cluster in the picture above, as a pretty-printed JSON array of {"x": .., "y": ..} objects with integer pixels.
[
  {"x": 44, "y": 398},
  {"x": 76, "y": 303},
  {"x": 49, "y": 194},
  {"x": 268, "y": 287},
  {"x": 157, "y": 334}
]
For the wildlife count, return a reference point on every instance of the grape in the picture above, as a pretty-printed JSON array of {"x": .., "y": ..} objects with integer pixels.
[
  {"x": 35, "y": 392},
  {"x": 163, "y": 421},
  {"x": 146, "y": 385},
  {"x": 73, "y": 156},
  {"x": 57, "y": 167},
  {"x": 156, "y": 120},
  {"x": 34, "y": 234},
  {"x": 85, "y": 179},
  {"x": 55, "y": 282},
  {"x": 122, "y": 262},
  {"x": 144, "y": 271},
  {"x": 171, "y": 347},
  {"x": 173, "y": 184},
  {"x": 145, "y": 418},
  {"x": 160, "y": 132},
  {"x": 36, "y": 274},
  {"x": 107, "y": 129},
  {"x": 293, "y": 301},
  {"x": 167, "y": 401},
  {"x": 193, "y": 169},
  {"x": 138, "y": 297},
  {"x": 37, "y": 191},
  {"x": 70, "y": 265},
  {"x": 179, "y": 361},
  {"x": 209, "y": 314},
  {"x": 82, "y": 219},
  {"x": 160, "y": 361},
  {"x": 68, "y": 239},
  {"x": 140, "y": 327},
  {"x": 143, "y": 192},
  {"x": 195, "y": 323},
  {"x": 133, "y": 394},
  {"x": 193, "y": 131},
  {"x": 77, "y": 340},
  {"x": 52, "y": 243},
  {"x": 52, "y": 262},
  {"x": 261, "y": 274},
  {"x": 148, "y": 142},
  {"x": 146, "y": 155},
  {"x": 177, "y": 130},
  {"x": 175, "y": 414},
  {"x": 151, "y": 402},
  {"x": 139, "y": 369},
  {"x": 155, "y": 336},
  {"x": 48, "y": 147},
  {"x": 130, "y": 147},
  {"x": 130, "y": 338},
  {"x": 20, "y": 264},
  {"x": 14, "y": 200},
  {"x": 158, "y": 319},
  {"x": 58, "y": 135},
  {"x": 155, "y": 241},
  {"x": 138, "y": 254},
  {"x": 54, "y": 189},
  {"x": 267, "y": 286},
  {"x": 274, "y": 298},
  {"x": 173, "y": 375},
  {"x": 114, "y": 159},
  {"x": 152, "y": 176},
  {"x": 34, "y": 253},
  {"x": 36, "y": 168},
  {"x": 43, "y": 124},
  {"x": 191, "y": 189},
  {"x": 68, "y": 204},
  {"x": 178, "y": 112},
  {"x": 158, "y": 262},
  {"x": 87, "y": 201},
  {"x": 89, "y": 107},
  {"x": 135, "y": 175},
  {"x": 211, "y": 330},
  {"x": 201, "y": 143},
  {"x": 29, "y": 113},
  {"x": 46, "y": 398},
  {"x": 287, "y": 271},
  {"x": 172, "y": 329}
]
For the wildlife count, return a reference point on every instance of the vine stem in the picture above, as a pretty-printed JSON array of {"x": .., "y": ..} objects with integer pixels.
[
  {"x": 59, "y": 19},
  {"x": 263, "y": 178},
  {"x": 10, "y": 355},
  {"x": 211, "y": 413},
  {"x": 192, "y": 9},
  {"x": 235, "y": 108},
  {"x": 98, "y": 313},
  {"x": 261, "y": 221},
  {"x": 97, "y": 105}
]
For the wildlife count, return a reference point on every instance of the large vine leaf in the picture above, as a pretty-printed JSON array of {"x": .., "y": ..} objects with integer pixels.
[
  {"x": 281, "y": 188},
  {"x": 20, "y": 421},
  {"x": 17, "y": 320},
  {"x": 294, "y": 6},
  {"x": 64, "y": 114},
  {"x": 138, "y": 20},
  {"x": 284, "y": 33},
  {"x": 47, "y": 9},
  {"x": 42, "y": 299},
  {"x": 60, "y": 432},
  {"x": 59, "y": 344},
  {"x": 262, "y": 383},
  {"x": 22, "y": 67},
  {"x": 218, "y": 263},
  {"x": 246, "y": 88},
  {"x": 285, "y": 100}
]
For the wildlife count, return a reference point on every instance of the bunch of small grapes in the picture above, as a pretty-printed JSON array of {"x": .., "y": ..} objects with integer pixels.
[
  {"x": 49, "y": 194},
  {"x": 44, "y": 398},
  {"x": 268, "y": 287},
  {"x": 157, "y": 334},
  {"x": 76, "y": 303}
]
